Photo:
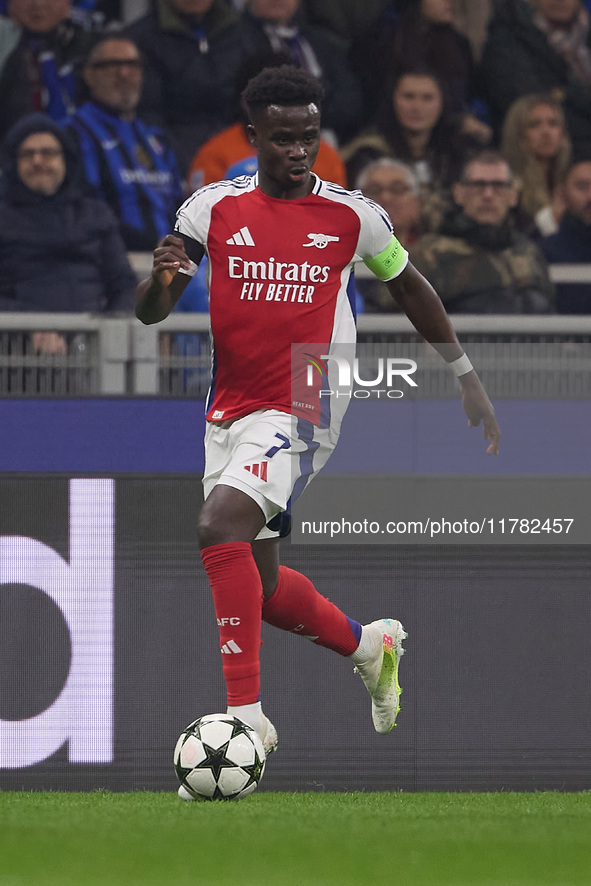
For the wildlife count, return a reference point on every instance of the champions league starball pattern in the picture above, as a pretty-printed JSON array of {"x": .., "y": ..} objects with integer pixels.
[{"x": 218, "y": 757}]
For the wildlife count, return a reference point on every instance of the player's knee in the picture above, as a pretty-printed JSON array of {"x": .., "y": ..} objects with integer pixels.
[
  {"x": 211, "y": 530},
  {"x": 217, "y": 526}
]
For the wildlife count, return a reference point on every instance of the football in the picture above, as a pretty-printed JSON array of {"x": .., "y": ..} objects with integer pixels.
[{"x": 218, "y": 757}]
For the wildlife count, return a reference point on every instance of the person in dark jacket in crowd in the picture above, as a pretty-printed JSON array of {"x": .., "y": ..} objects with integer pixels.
[
  {"x": 191, "y": 50},
  {"x": 572, "y": 242},
  {"x": 60, "y": 250},
  {"x": 540, "y": 46},
  {"x": 421, "y": 32},
  {"x": 479, "y": 262},
  {"x": 349, "y": 19},
  {"x": 272, "y": 26},
  {"x": 43, "y": 73}
]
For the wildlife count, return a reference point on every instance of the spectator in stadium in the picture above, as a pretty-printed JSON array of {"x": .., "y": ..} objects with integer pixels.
[
  {"x": 230, "y": 153},
  {"x": 540, "y": 46},
  {"x": 347, "y": 18},
  {"x": 414, "y": 126},
  {"x": 537, "y": 147},
  {"x": 393, "y": 185},
  {"x": 129, "y": 163},
  {"x": 479, "y": 262},
  {"x": 278, "y": 25},
  {"x": 422, "y": 32},
  {"x": 572, "y": 242},
  {"x": 43, "y": 73},
  {"x": 191, "y": 51},
  {"x": 60, "y": 250}
]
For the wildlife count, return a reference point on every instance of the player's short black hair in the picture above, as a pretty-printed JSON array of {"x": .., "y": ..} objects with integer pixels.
[{"x": 286, "y": 86}]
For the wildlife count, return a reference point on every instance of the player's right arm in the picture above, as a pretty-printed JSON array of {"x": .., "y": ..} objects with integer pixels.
[
  {"x": 423, "y": 307},
  {"x": 425, "y": 310},
  {"x": 172, "y": 268}
]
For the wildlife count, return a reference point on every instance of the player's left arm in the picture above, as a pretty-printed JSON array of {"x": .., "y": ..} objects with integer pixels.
[{"x": 423, "y": 307}]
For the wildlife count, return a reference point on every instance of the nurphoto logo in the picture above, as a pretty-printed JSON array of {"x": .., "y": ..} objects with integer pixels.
[{"x": 380, "y": 377}]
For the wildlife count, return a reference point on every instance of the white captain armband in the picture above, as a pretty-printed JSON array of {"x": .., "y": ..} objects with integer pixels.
[
  {"x": 461, "y": 366},
  {"x": 389, "y": 262}
]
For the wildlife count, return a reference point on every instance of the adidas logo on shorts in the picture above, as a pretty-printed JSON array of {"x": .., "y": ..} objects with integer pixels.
[{"x": 258, "y": 470}]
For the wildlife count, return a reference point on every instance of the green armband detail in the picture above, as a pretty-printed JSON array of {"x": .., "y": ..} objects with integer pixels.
[{"x": 389, "y": 262}]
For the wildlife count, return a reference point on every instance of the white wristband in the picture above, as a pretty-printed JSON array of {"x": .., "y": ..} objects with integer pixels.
[
  {"x": 461, "y": 366},
  {"x": 190, "y": 271}
]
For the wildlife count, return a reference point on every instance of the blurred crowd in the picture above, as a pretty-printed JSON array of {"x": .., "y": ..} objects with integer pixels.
[{"x": 468, "y": 121}]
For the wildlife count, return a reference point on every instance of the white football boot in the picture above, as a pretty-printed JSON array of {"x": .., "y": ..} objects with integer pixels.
[
  {"x": 253, "y": 716},
  {"x": 269, "y": 739},
  {"x": 379, "y": 670}
]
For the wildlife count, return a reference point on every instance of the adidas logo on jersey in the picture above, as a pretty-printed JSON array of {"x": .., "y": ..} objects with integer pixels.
[
  {"x": 243, "y": 237},
  {"x": 258, "y": 470},
  {"x": 231, "y": 648}
]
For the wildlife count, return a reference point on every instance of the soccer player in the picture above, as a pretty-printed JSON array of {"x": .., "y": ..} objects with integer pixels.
[{"x": 281, "y": 247}]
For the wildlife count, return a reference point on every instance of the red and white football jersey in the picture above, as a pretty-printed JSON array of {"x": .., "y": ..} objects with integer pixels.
[{"x": 278, "y": 275}]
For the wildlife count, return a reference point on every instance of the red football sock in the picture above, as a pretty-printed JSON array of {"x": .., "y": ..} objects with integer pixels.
[
  {"x": 237, "y": 597},
  {"x": 296, "y": 606}
]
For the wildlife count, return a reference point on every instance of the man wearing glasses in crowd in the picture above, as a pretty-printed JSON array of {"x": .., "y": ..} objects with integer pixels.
[
  {"x": 128, "y": 162},
  {"x": 60, "y": 249},
  {"x": 479, "y": 262}
]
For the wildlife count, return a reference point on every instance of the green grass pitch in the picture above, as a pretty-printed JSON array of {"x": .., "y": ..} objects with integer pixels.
[{"x": 505, "y": 839}]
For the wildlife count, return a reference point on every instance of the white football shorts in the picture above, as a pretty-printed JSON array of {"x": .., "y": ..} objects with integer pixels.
[{"x": 269, "y": 455}]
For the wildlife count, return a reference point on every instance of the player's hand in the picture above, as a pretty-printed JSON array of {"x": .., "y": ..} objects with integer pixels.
[
  {"x": 478, "y": 408},
  {"x": 169, "y": 256}
]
